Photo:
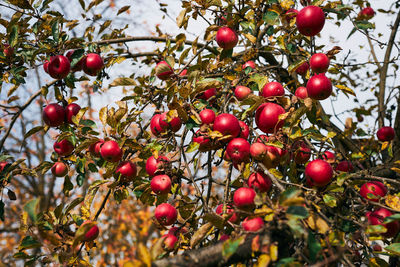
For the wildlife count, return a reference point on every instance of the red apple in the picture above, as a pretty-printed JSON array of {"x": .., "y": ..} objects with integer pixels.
[
  {"x": 253, "y": 225},
  {"x": 250, "y": 64},
  {"x": 154, "y": 166},
  {"x": 303, "y": 68},
  {"x": 94, "y": 149},
  {"x": 226, "y": 38},
  {"x": 301, "y": 92},
  {"x": 110, "y": 151},
  {"x": 385, "y": 134},
  {"x": 160, "y": 184},
  {"x": 376, "y": 247},
  {"x": 8, "y": 51},
  {"x": 126, "y": 170},
  {"x": 176, "y": 230},
  {"x": 258, "y": 150},
  {"x": 224, "y": 237},
  {"x": 71, "y": 110},
  {"x": 345, "y": 166},
  {"x": 170, "y": 241},
  {"x": 302, "y": 152},
  {"x": 227, "y": 124},
  {"x": 267, "y": 117},
  {"x": 244, "y": 130},
  {"x": 207, "y": 116},
  {"x": 272, "y": 157},
  {"x": 174, "y": 124},
  {"x": 366, "y": 13},
  {"x": 79, "y": 65},
  {"x": 319, "y": 172},
  {"x": 155, "y": 126},
  {"x": 244, "y": 197},
  {"x": 238, "y": 150},
  {"x": 203, "y": 139},
  {"x": 163, "y": 70},
  {"x": 92, "y": 233},
  {"x": 59, "y": 169},
  {"x": 272, "y": 89},
  {"x": 242, "y": 92},
  {"x": 92, "y": 64},
  {"x": 183, "y": 73},
  {"x": 319, "y": 63},
  {"x": 229, "y": 210},
  {"x": 310, "y": 20},
  {"x": 59, "y": 67},
  {"x": 63, "y": 148},
  {"x": 207, "y": 94},
  {"x": 259, "y": 181},
  {"x": 165, "y": 214},
  {"x": 53, "y": 115},
  {"x": 377, "y": 217},
  {"x": 329, "y": 157},
  {"x": 3, "y": 164},
  {"x": 374, "y": 188},
  {"x": 319, "y": 87}
]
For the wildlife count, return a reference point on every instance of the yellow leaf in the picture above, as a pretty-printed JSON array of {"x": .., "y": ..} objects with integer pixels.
[
  {"x": 251, "y": 38},
  {"x": 345, "y": 89},
  {"x": 317, "y": 223},
  {"x": 144, "y": 254},
  {"x": 286, "y": 4},
  {"x": 384, "y": 145},
  {"x": 263, "y": 261},
  {"x": 395, "y": 169},
  {"x": 393, "y": 202},
  {"x": 273, "y": 250}
]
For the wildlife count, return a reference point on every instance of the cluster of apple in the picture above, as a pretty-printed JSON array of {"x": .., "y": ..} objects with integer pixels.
[
  {"x": 58, "y": 67},
  {"x": 160, "y": 124}
]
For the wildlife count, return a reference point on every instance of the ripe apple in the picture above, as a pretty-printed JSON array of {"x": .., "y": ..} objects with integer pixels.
[
  {"x": 53, "y": 115},
  {"x": 92, "y": 64},
  {"x": 290, "y": 14},
  {"x": 170, "y": 241},
  {"x": 175, "y": 124},
  {"x": 238, "y": 149},
  {"x": 154, "y": 166},
  {"x": 227, "y": 124},
  {"x": 259, "y": 181},
  {"x": 71, "y": 110},
  {"x": 224, "y": 237},
  {"x": 374, "y": 188},
  {"x": 59, "y": 67},
  {"x": 258, "y": 150},
  {"x": 177, "y": 230},
  {"x": 155, "y": 126},
  {"x": 207, "y": 94},
  {"x": 203, "y": 139},
  {"x": 303, "y": 68},
  {"x": 329, "y": 157},
  {"x": 8, "y": 51},
  {"x": 319, "y": 63},
  {"x": 59, "y": 169},
  {"x": 385, "y": 134},
  {"x": 244, "y": 197},
  {"x": 207, "y": 116},
  {"x": 126, "y": 170},
  {"x": 160, "y": 184},
  {"x": 301, "y": 92},
  {"x": 229, "y": 210},
  {"x": 165, "y": 214},
  {"x": 63, "y": 148},
  {"x": 310, "y": 20},
  {"x": 272, "y": 157},
  {"x": 272, "y": 89},
  {"x": 366, "y": 13},
  {"x": 242, "y": 92},
  {"x": 345, "y": 166},
  {"x": 319, "y": 87},
  {"x": 267, "y": 117},
  {"x": 244, "y": 130},
  {"x": 110, "y": 151},
  {"x": 79, "y": 65},
  {"x": 253, "y": 224},
  {"x": 3, "y": 164},
  {"x": 92, "y": 233},
  {"x": 250, "y": 64},
  {"x": 302, "y": 152},
  {"x": 94, "y": 149},
  {"x": 319, "y": 172},
  {"x": 226, "y": 38},
  {"x": 377, "y": 217}
]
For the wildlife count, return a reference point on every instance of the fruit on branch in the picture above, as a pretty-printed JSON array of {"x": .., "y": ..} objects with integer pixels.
[
  {"x": 244, "y": 130},
  {"x": 160, "y": 184},
  {"x": 63, "y": 148},
  {"x": 156, "y": 165},
  {"x": 302, "y": 152},
  {"x": 310, "y": 20},
  {"x": 226, "y": 38},
  {"x": 227, "y": 124},
  {"x": 366, "y": 13},
  {"x": 174, "y": 123},
  {"x": 110, "y": 151},
  {"x": 371, "y": 189},
  {"x": 59, "y": 67},
  {"x": 165, "y": 214},
  {"x": 170, "y": 241},
  {"x": 259, "y": 181},
  {"x": 203, "y": 140},
  {"x": 94, "y": 149},
  {"x": 272, "y": 157},
  {"x": 71, "y": 110},
  {"x": 301, "y": 92},
  {"x": 253, "y": 224},
  {"x": 3, "y": 164},
  {"x": 207, "y": 116},
  {"x": 163, "y": 70},
  {"x": 238, "y": 150},
  {"x": 92, "y": 233},
  {"x": 319, "y": 172},
  {"x": 272, "y": 89},
  {"x": 8, "y": 51},
  {"x": 79, "y": 65},
  {"x": 303, "y": 68},
  {"x": 258, "y": 150},
  {"x": 207, "y": 94},
  {"x": 290, "y": 14},
  {"x": 377, "y": 217},
  {"x": 319, "y": 87},
  {"x": 92, "y": 64},
  {"x": 376, "y": 247},
  {"x": 242, "y": 92},
  {"x": 59, "y": 169},
  {"x": 344, "y": 166},
  {"x": 385, "y": 134},
  {"x": 250, "y": 64},
  {"x": 155, "y": 126},
  {"x": 329, "y": 157},
  {"x": 224, "y": 237},
  {"x": 267, "y": 117},
  {"x": 126, "y": 170},
  {"x": 53, "y": 115},
  {"x": 229, "y": 210},
  {"x": 243, "y": 198},
  {"x": 319, "y": 63},
  {"x": 176, "y": 230}
]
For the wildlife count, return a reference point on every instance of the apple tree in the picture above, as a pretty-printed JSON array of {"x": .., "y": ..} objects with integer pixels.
[{"x": 227, "y": 150}]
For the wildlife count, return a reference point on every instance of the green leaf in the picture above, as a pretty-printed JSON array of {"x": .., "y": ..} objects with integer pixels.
[
  {"x": 271, "y": 17},
  {"x": 192, "y": 147},
  {"x": 33, "y": 131},
  {"x": 55, "y": 30},
  {"x": 330, "y": 200},
  {"x": 298, "y": 211},
  {"x": 68, "y": 186},
  {"x": 230, "y": 247},
  {"x": 13, "y": 38},
  {"x": 31, "y": 209},
  {"x": 28, "y": 242},
  {"x": 394, "y": 248},
  {"x": 314, "y": 247},
  {"x": 395, "y": 217},
  {"x": 289, "y": 194}
]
